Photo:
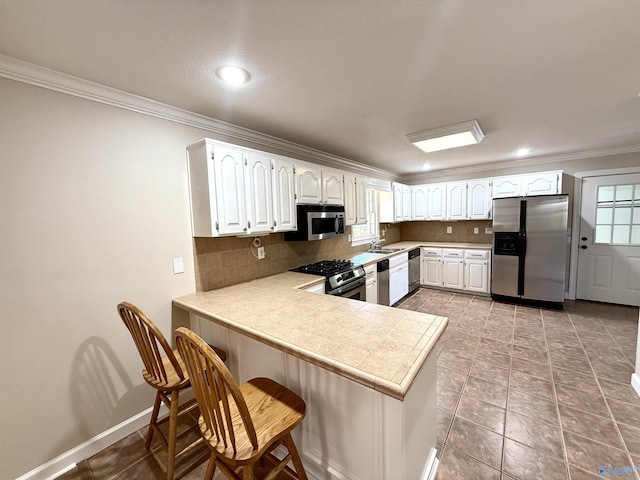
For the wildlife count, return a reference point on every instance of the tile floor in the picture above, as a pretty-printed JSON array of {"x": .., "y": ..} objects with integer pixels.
[
  {"x": 531, "y": 393},
  {"x": 523, "y": 393}
]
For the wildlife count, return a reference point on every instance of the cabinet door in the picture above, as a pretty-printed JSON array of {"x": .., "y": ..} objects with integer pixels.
[
  {"x": 419, "y": 202},
  {"x": 507, "y": 187},
  {"x": 332, "y": 188},
  {"x": 284, "y": 198},
  {"x": 308, "y": 185},
  {"x": 372, "y": 284},
  {"x": 406, "y": 203},
  {"x": 453, "y": 273},
  {"x": 457, "y": 201},
  {"x": 479, "y": 200},
  {"x": 431, "y": 271},
  {"x": 437, "y": 195},
  {"x": 257, "y": 175},
  {"x": 544, "y": 183},
  {"x": 398, "y": 196},
  {"x": 361, "y": 201},
  {"x": 350, "y": 199},
  {"x": 398, "y": 283},
  {"x": 228, "y": 164},
  {"x": 476, "y": 276}
]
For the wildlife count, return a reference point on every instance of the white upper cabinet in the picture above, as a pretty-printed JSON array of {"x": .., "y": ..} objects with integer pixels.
[
  {"x": 437, "y": 201},
  {"x": 507, "y": 186},
  {"x": 406, "y": 202},
  {"x": 258, "y": 191},
  {"x": 332, "y": 187},
  {"x": 457, "y": 201},
  {"x": 318, "y": 186},
  {"x": 398, "y": 196},
  {"x": 361, "y": 201},
  {"x": 228, "y": 165},
  {"x": 308, "y": 184},
  {"x": 355, "y": 200},
  {"x": 284, "y": 200},
  {"x": 544, "y": 183},
  {"x": 479, "y": 199},
  {"x": 419, "y": 202},
  {"x": 350, "y": 204}
]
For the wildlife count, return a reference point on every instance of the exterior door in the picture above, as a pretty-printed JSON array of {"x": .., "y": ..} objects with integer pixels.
[{"x": 609, "y": 253}]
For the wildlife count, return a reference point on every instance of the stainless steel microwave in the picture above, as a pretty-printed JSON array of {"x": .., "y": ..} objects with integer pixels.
[{"x": 317, "y": 222}]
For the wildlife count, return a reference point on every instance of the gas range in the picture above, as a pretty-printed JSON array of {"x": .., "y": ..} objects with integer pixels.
[{"x": 343, "y": 278}]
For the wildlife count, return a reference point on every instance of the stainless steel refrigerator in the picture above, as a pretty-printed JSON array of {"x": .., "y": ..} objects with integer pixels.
[{"x": 530, "y": 249}]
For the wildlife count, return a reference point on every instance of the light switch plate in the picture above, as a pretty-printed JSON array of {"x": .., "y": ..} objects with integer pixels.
[
  {"x": 261, "y": 253},
  {"x": 488, "y": 231},
  {"x": 476, "y": 230},
  {"x": 178, "y": 265},
  {"x": 449, "y": 229}
]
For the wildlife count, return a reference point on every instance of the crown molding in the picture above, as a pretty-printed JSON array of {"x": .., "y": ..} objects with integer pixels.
[
  {"x": 39, "y": 76},
  {"x": 564, "y": 157}
]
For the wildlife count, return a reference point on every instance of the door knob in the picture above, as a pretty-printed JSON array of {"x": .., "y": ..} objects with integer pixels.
[{"x": 584, "y": 247}]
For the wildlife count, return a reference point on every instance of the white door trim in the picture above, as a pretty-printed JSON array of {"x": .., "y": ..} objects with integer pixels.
[{"x": 575, "y": 227}]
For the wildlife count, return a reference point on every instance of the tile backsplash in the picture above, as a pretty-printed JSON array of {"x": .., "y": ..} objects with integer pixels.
[
  {"x": 461, "y": 232},
  {"x": 220, "y": 262}
]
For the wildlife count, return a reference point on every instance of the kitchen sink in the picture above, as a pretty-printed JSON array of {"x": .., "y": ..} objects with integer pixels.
[{"x": 385, "y": 250}]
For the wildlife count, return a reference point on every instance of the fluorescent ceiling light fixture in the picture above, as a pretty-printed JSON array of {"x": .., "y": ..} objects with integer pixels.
[
  {"x": 233, "y": 75},
  {"x": 458, "y": 135},
  {"x": 523, "y": 151}
]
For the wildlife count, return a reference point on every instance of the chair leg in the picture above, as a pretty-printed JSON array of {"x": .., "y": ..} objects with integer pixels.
[
  {"x": 154, "y": 419},
  {"x": 295, "y": 457},
  {"x": 211, "y": 468},
  {"x": 173, "y": 433},
  {"x": 247, "y": 472}
]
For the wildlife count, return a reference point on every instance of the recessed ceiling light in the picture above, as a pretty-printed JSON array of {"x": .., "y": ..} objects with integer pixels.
[
  {"x": 523, "y": 152},
  {"x": 426, "y": 166},
  {"x": 458, "y": 135},
  {"x": 233, "y": 75}
]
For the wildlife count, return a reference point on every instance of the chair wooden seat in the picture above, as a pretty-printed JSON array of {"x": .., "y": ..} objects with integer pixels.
[
  {"x": 165, "y": 371},
  {"x": 241, "y": 425}
]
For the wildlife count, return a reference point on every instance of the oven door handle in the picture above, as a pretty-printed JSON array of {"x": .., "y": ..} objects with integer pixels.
[{"x": 336, "y": 225}]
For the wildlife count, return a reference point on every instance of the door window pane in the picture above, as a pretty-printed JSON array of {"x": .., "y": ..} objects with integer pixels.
[
  {"x": 621, "y": 234},
  {"x": 635, "y": 235},
  {"x": 617, "y": 211},
  {"x": 603, "y": 234},
  {"x": 605, "y": 216},
  {"x": 605, "y": 194},
  {"x": 622, "y": 216}
]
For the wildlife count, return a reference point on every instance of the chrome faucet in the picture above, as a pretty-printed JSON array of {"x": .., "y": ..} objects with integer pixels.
[{"x": 376, "y": 243}]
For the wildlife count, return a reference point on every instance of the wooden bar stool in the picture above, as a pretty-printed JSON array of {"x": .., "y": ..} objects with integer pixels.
[
  {"x": 164, "y": 370},
  {"x": 242, "y": 425}
]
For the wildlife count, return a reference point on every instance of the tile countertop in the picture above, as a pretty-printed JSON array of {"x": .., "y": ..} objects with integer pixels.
[
  {"x": 380, "y": 347},
  {"x": 366, "y": 258}
]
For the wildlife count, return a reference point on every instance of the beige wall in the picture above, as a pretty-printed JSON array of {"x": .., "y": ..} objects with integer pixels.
[{"x": 93, "y": 207}]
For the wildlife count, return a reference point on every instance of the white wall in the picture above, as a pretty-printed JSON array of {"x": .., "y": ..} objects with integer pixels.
[{"x": 93, "y": 207}]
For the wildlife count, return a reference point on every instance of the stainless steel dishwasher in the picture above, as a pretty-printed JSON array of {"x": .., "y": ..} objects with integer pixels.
[
  {"x": 383, "y": 282},
  {"x": 414, "y": 269}
]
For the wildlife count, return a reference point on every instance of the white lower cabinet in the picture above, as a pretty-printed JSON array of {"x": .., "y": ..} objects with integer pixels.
[
  {"x": 350, "y": 431},
  {"x": 371, "y": 287},
  {"x": 398, "y": 277},
  {"x": 453, "y": 269},
  {"x": 456, "y": 269},
  {"x": 476, "y": 271},
  {"x": 431, "y": 267}
]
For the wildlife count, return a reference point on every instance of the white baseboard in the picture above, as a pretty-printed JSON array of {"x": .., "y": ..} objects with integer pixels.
[
  {"x": 431, "y": 468},
  {"x": 67, "y": 461},
  {"x": 635, "y": 382}
]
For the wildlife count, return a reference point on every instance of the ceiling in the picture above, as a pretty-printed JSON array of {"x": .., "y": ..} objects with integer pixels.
[{"x": 353, "y": 78}]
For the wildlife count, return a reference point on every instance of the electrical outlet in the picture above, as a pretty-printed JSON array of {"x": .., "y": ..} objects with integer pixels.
[
  {"x": 476, "y": 230},
  {"x": 261, "y": 253},
  {"x": 449, "y": 229},
  {"x": 488, "y": 231}
]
